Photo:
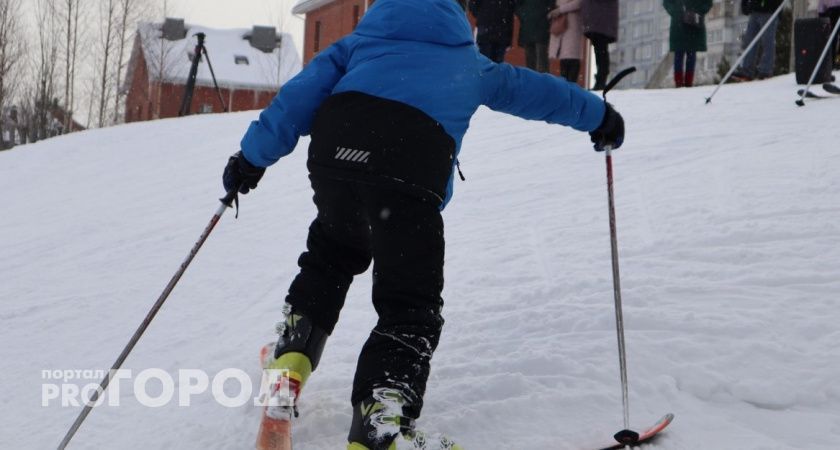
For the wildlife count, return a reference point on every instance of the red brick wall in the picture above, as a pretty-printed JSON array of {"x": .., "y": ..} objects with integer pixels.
[
  {"x": 236, "y": 100},
  {"x": 137, "y": 102},
  {"x": 336, "y": 20}
]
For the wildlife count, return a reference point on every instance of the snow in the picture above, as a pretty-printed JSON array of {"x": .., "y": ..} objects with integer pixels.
[
  {"x": 729, "y": 234},
  {"x": 267, "y": 71},
  {"x": 304, "y": 6}
]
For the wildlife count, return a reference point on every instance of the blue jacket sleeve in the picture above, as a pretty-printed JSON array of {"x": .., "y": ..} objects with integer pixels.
[
  {"x": 539, "y": 96},
  {"x": 290, "y": 114}
]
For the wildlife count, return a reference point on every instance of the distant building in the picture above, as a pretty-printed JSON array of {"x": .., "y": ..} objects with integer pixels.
[
  {"x": 327, "y": 21},
  {"x": 250, "y": 66},
  {"x": 643, "y": 41}
]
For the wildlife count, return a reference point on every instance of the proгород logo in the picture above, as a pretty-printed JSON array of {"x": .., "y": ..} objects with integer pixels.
[{"x": 156, "y": 387}]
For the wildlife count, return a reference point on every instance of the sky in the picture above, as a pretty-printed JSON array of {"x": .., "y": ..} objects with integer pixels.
[{"x": 240, "y": 14}]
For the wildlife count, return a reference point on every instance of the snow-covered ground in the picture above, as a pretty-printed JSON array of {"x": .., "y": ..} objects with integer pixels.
[{"x": 729, "y": 232}]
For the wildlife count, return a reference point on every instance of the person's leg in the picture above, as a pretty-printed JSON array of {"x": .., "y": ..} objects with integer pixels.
[
  {"x": 570, "y": 69},
  {"x": 834, "y": 16},
  {"x": 602, "y": 60},
  {"x": 542, "y": 56},
  {"x": 768, "y": 47},
  {"x": 679, "y": 68},
  {"x": 408, "y": 248},
  {"x": 492, "y": 51},
  {"x": 531, "y": 56},
  {"x": 690, "y": 63},
  {"x": 338, "y": 248},
  {"x": 747, "y": 67},
  {"x": 393, "y": 368},
  {"x": 486, "y": 49},
  {"x": 499, "y": 51}
]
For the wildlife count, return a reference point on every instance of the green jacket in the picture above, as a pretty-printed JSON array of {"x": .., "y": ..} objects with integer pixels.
[
  {"x": 685, "y": 37},
  {"x": 533, "y": 20}
]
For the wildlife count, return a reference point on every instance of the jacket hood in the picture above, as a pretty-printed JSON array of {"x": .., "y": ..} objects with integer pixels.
[{"x": 435, "y": 21}]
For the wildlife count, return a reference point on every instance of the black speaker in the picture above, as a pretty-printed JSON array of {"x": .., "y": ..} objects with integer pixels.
[{"x": 810, "y": 37}]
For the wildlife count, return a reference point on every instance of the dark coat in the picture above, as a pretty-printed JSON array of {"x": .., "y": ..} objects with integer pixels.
[
  {"x": 684, "y": 37},
  {"x": 533, "y": 20},
  {"x": 762, "y": 6},
  {"x": 494, "y": 20},
  {"x": 600, "y": 17}
]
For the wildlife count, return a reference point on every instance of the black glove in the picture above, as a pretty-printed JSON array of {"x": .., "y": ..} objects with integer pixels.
[
  {"x": 611, "y": 131},
  {"x": 242, "y": 174}
]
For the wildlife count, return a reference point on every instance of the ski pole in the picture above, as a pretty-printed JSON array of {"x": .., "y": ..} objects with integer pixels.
[
  {"x": 747, "y": 51},
  {"x": 227, "y": 202},
  {"x": 625, "y": 436},
  {"x": 828, "y": 45}
]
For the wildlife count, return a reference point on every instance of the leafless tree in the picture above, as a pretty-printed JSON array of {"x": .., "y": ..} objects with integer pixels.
[
  {"x": 39, "y": 103},
  {"x": 108, "y": 15},
  {"x": 11, "y": 53},
  {"x": 129, "y": 13},
  {"x": 69, "y": 8},
  {"x": 72, "y": 13}
]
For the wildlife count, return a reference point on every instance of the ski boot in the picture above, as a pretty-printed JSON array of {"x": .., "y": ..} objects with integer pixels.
[
  {"x": 380, "y": 424},
  {"x": 297, "y": 351},
  {"x": 289, "y": 363}
]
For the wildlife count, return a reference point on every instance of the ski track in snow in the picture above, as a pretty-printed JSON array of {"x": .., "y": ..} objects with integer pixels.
[{"x": 729, "y": 235}]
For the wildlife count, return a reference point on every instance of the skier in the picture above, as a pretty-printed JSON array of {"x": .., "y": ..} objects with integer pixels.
[{"x": 387, "y": 108}]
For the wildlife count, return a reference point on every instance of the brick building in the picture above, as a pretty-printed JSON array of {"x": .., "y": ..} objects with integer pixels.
[
  {"x": 250, "y": 66},
  {"x": 329, "y": 20}
]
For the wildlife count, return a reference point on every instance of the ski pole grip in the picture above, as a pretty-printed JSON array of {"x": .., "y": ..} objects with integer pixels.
[{"x": 231, "y": 196}]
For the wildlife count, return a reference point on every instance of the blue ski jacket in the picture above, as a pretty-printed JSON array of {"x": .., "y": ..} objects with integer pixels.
[{"x": 421, "y": 53}]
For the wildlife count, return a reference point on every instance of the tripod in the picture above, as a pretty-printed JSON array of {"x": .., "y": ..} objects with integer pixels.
[{"x": 200, "y": 50}]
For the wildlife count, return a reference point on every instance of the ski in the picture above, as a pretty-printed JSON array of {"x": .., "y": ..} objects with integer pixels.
[
  {"x": 647, "y": 435},
  {"x": 809, "y": 94},
  {"x": 275, "y": 431},
  {"x": 831, "y": 88}
]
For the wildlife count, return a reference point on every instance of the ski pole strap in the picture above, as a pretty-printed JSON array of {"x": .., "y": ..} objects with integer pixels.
[{"x": 616, "y": 79}]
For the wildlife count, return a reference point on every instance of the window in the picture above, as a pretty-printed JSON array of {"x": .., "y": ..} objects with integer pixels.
[
  {"x": 240, "y": 60},
  {"x": 205, "y": 108},
  {"x": 317, "y": 40}
]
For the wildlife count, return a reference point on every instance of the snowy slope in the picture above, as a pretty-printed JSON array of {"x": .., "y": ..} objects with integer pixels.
[{"x": 729, "y": 232}]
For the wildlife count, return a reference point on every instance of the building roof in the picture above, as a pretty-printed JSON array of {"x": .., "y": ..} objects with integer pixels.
[
  {"x": 304, "y": 6},
  {"x": 236, "y": 63}
]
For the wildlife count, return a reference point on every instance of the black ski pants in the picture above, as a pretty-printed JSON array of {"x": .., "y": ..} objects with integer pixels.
[{"x": 403, "y": 235}]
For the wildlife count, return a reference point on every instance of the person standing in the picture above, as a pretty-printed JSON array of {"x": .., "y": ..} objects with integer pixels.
[
  {"x": 687, "y": 36},
  {"x": 533, "y": 31},
  {"x": 567, "y": 46},
  {"x": 760, "y": 12},
  {"x": 494, "y": 26},
  {"x": 831, "y": 9},
  {"x": 385, "y": 137},
  {"x": 600, "y": 26}
]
